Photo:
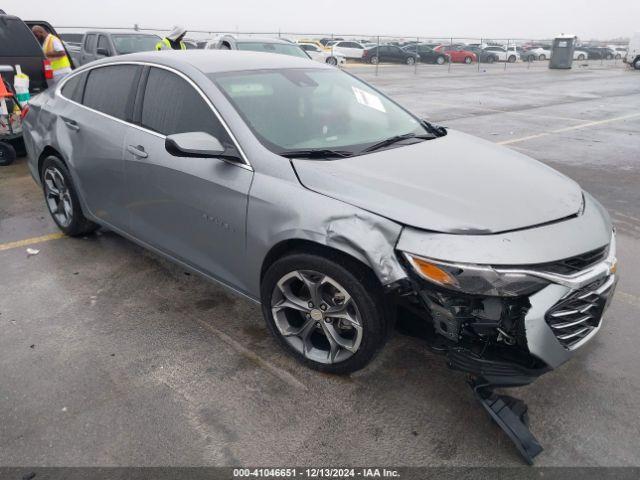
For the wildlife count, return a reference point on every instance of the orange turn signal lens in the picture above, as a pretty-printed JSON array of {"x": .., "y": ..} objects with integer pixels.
[
  {"x": 433, "y": 272},
  {"x": 614, "y": 266}
]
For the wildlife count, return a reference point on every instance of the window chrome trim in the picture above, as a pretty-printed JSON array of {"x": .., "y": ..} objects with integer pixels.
[{"x": 58, "y": 92}]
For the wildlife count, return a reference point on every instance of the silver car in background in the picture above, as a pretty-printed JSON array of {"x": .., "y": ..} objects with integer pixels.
[{"x": 305, "y": 189}]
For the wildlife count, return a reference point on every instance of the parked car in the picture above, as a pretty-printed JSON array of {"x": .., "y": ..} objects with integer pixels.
[
  {"x": 633, "y": 52},
  {"x": 541, "y": 53},
  {"x": 426, "y": 54},
  {"x": 618, "y": 51},
  {"x": 215, "y": 161},
  {"x": 347, "y": 48},
  {"x": 389, "y": 53},
  {"x": 510, "y": 55},
  {"x": 580, "y": 54},
  {"x": 322, "y": 55},
  {"x": 483, "y": 55},
  {"x": 457, "y": 54},
  {"x": 257, "y": 44},
  {"x": 600, "y": 53},
  {"x": 99, "y": 44}
]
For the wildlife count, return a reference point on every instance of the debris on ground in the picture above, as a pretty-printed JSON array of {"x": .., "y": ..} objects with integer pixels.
[{"x": 32, "y": 251}]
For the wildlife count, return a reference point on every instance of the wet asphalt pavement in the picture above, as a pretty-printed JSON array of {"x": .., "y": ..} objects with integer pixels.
[{"x": 112, "y": 356}]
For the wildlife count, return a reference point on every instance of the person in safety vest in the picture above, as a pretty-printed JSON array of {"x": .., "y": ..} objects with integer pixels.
[
  {"x": 173, "y": 41},
  {"x": 54, "y": 51}
]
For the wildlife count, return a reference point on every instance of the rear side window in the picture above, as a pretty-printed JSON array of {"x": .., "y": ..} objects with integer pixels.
[
  {"x": 171, "y": 105},
  {"x": 16, "y": 40},
  {"x": 72, "y": 89},
  {"x": 111, "y": 90}
]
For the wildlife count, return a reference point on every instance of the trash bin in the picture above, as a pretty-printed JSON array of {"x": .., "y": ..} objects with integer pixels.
[{"x": 562, "y": 51}]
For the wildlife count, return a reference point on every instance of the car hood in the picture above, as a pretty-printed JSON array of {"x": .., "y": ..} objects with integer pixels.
[{"x": 454, "y": 184}]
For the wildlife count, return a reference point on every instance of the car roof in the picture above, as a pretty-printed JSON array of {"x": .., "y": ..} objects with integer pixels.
[{"x": 216, "y": 61}]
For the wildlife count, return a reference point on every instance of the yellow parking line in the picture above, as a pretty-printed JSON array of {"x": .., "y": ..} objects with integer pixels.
[
  {"x": 568, "y": 129},
  {"x": 30, "y": 241}
]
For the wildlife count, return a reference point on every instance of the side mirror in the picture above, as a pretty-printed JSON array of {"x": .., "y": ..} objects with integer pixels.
[
  {"x": 193, "y": 144},
  {"x": 103, "y": 51}
]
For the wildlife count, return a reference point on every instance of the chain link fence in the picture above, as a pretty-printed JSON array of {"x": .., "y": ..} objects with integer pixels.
[{"x": 418, "y": 54}]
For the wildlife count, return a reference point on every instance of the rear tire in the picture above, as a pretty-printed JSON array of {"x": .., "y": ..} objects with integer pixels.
[
  {"x": 490, "y": 59},
  {"x": 511, "y": 59},
  {"x": 373, "y": 60},
  {"x": 542, "y": 57},
  {"x": 7, "y": 154},
  {"x": 440, "y": 60},
  {"x": 332, "y": 61},
  {"x": 581, "y": 57},
  {"x": 292, "y": 315},
  {"x": 410, "y": 61},
  {"x": 468, "y": 60},
  {"x": 62, "y": 199},
  {"x": 636, "y": 64}
]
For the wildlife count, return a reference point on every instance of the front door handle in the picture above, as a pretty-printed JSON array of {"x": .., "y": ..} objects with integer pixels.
[
  {"x": 138, "y": 151},
  {"x": 71, "y": 124}
]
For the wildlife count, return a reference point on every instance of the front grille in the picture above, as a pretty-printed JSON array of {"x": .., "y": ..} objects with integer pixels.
[
  {"x": 574, "y": 317},
  {"x": 575, "y": 264}
]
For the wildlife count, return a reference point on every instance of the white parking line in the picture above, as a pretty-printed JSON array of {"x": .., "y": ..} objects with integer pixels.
[{"x": 568, "y": 129}]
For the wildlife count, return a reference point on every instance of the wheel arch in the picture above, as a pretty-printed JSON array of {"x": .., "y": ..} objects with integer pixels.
[
  {"x": 294, "y": 245},
  {"x": 49, "y": 151}
]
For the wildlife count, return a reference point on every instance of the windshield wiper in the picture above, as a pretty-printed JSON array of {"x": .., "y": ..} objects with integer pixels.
[
  {"x": 395, "y": 139},
  {"x": 316, "y": 153}
]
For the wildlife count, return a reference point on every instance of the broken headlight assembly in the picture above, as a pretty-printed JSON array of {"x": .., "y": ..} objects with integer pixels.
[{"x": 475, "y": 279}]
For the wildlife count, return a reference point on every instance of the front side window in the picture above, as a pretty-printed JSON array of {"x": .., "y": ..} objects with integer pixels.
[
  {"x": 282, "y": 48},
  {"x": 134, "y": 43},
  {"x": 103, "y": 43},
  {"x": 111, "y": 90},
  {"x": 90, "y": 43},
  {"x": 292, "y": 109},
  {"x": 171, "y": 105}
]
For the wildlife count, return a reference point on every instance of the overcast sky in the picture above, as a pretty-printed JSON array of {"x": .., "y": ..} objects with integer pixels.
[{"x": 462, "y": 18}]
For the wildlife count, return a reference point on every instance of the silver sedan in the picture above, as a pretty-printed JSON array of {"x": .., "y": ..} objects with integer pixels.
[{"x": 303, "y": 188}]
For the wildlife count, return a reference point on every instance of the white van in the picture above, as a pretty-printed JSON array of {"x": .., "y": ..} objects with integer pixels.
[{"x": 633, "y": 53}]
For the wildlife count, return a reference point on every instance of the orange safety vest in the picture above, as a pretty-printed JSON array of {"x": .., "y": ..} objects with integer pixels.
[{"x": 57, "y": 63}]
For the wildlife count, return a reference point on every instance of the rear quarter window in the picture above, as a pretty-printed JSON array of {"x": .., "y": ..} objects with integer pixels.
[
  {"x": 16, "y": 39},
  {"x": 72, "y": 89}
]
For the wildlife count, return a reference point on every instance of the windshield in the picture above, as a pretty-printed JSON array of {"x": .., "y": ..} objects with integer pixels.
[
  {"x": 134, "y": 43},
  {"x": 294, "y": 109},
  {"x": 283, "y": 48}
]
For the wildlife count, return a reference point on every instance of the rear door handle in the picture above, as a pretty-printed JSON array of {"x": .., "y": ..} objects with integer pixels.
[
  {"x": 71, "y": 124},
  {"x": 138, "y": 151}
]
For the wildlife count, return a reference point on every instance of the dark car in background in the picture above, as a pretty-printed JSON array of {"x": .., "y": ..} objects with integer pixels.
[
  {"x": 426, "y": 53},
  {"x": 600, "y": 53},
  {"x": 389, "y": 53},
  {"x": 484, "y": 56}
]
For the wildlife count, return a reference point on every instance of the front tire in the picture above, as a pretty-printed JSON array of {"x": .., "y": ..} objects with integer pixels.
[
  {"x": 440, "y": 60},
  {"x": 468, "y": 60},
  {"x": 325, "y": 310},
  {"x": 581, "y": 57},
  {"x": 511, "y": 59},
  {"x": 333, "y": 61},
  {"x": 410, "y": 61},
  {"x": 62, "y": 199},
  {"x": 373, "y": 60},
  {"x": 636, "y": 64},
  {"x": 542, "y": 57}
]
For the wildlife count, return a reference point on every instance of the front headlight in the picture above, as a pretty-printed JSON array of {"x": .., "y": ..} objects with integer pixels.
[{"x": 475, "y": 279}]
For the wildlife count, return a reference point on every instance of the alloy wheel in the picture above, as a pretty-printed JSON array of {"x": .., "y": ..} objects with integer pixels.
[
  {"x": 440, "y": 60},
  {"x": 332, "y": 61},
  {"x": 58, "y": 196},
  {"x": 316, "y": 316}
]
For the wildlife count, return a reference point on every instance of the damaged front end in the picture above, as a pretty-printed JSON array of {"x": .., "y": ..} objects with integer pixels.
[{"x": 507, "y": 325}]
